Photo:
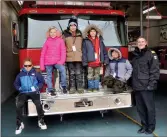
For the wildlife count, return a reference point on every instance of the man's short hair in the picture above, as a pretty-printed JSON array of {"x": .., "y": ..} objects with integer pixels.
[{"x": 141, "y": 37}]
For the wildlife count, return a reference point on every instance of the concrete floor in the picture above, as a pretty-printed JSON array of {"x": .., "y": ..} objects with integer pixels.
[{"x": 85, "y": 124}]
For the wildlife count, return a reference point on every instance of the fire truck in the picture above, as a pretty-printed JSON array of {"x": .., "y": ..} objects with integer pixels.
[{"x": 36, "y": 17}]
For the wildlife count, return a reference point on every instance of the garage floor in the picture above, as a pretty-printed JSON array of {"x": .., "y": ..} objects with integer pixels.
[{"x": 85, "y": 124}]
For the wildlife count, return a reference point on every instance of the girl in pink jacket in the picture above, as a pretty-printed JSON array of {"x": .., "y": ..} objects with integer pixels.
[{"x": 53, "y": 55}]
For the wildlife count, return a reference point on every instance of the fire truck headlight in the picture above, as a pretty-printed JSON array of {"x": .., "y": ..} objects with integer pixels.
[{"x": 46, "y": 107}]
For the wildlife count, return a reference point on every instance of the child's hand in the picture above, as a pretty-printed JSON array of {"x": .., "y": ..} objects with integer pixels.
[{"x": 42, "y": 69}]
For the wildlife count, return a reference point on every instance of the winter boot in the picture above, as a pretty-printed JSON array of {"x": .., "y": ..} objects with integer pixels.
[
  {"x": 51, "y": 93},
  {"x": 64, "y": 90}
]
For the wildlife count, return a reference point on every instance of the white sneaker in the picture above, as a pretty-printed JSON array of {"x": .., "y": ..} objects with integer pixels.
[
  {"x": 19, "y": 128},
  {"x": 42, "y": 124}
]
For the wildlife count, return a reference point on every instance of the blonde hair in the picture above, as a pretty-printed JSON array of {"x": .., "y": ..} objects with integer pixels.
[
  {"x": 28, "y": 59},
  {"x": 58, "y": 33}
]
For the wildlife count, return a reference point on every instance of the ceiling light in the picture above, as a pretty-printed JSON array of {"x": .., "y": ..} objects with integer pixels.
[{"x": 150, "y": 9}]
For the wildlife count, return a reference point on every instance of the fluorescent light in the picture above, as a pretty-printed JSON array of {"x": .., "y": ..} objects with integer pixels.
[
  {"x": 150, "y": 9},
  {"x": 153, "y": 17}
]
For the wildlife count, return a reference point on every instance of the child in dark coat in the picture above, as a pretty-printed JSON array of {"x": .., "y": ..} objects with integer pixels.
[{"x": 94, "y": 55}]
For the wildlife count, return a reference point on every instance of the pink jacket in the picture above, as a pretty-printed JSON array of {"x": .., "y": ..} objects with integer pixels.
[{"x": 53, "y": 52}]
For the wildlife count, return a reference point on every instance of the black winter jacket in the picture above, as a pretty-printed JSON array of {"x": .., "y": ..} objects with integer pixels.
[
  {"x": 145, "y": 70},
  {"x": 88, "y": 52}
]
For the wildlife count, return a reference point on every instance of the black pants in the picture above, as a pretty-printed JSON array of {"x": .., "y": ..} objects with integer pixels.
[
  {"x": 20, "y": 101},
  {"x": 146, "y": 108},
  {"x": 76, "y": 75}
]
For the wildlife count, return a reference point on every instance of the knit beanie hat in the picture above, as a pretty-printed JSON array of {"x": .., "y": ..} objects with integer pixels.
[{"x": 73, "y": 21}]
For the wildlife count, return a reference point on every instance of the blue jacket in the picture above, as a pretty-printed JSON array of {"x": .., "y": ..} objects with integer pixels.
[{"x": 25, "y": 80}]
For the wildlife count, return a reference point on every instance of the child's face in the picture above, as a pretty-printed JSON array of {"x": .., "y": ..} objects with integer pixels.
[
  {"x": 28, "y": 65},
  {"x": 73, "y": 28},
  {"x": 141, "y": 43},
  {"x": 115, "y": 55},
  {"x": 93, "y": 33},
  {"x": 52, "y": 33}
]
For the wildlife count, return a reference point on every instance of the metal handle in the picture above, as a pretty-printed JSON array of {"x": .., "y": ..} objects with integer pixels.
[
  {"x": 15, "y": 53},
  {"x": 83, "y": 104}
]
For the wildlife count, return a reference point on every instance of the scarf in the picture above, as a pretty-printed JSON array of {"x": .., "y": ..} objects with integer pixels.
[{"x": 96, "y": 44}]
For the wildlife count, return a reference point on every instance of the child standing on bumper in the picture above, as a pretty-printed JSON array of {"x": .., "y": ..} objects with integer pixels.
[
  {"x": 94, "y": 55},
  {"x": 53, "y": 55},
  {"x": 73, "y": 39}
]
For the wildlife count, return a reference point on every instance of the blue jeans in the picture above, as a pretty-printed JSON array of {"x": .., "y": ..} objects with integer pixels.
[{"x": 49, "y": 70}]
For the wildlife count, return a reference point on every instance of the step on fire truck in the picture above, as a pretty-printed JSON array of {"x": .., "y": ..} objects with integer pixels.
[{"x": 36, "y": 17}]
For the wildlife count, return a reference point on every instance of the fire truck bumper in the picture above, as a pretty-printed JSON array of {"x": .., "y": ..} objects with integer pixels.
[{"x": 75, "y": 103}]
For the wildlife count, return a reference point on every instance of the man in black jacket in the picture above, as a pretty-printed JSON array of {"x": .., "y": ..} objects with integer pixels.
[{"x": 144, "y": 81}]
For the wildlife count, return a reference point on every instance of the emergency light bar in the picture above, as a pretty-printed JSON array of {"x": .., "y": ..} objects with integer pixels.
[{"x": 72, "y": 3}]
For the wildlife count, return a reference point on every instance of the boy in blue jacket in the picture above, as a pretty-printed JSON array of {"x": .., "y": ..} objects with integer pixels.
[{"x": 29, "y": 83}]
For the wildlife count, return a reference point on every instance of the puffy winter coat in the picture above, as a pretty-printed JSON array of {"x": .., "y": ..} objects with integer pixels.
[
  {"x": 25, "y": 80},
  {"x": 121, "y": 68},
  {"x": 53, "y": 52},
  {"x": 88, "y": 48},
  {"x": 70, "y": 41}
]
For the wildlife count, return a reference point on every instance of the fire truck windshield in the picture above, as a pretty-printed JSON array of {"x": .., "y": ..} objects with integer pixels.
[{"x": 33, "y": 28}]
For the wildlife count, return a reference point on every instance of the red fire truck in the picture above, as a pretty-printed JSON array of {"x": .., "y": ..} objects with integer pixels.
[{"x": 36, "y": 17}]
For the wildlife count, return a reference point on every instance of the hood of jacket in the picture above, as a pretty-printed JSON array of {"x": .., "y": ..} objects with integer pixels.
[
  {"x": 110, "y": 53},
  {"x": 89, "y": 27}
]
